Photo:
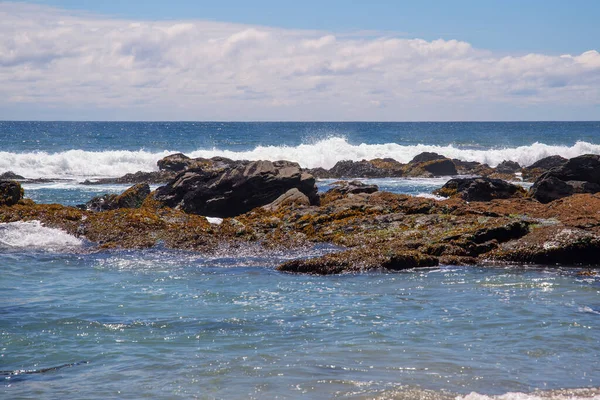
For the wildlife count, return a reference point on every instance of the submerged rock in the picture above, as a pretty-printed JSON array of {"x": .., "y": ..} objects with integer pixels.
[
  {"x": 234, "y": 191},
  {"x": 11, "y": 192},
  {"x": 480, "y": 189}
]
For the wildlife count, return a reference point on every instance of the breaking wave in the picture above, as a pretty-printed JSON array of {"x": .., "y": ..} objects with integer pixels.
[
  {"x": 80, "y": 164},
  {"x": 32, "y": 235}
]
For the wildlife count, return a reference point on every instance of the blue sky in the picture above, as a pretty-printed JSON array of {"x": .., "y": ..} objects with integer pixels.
[{"x": 300, "y": 60}]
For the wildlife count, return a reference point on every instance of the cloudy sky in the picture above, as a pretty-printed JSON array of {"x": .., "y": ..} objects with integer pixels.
[{"x": 310, "y": 60}]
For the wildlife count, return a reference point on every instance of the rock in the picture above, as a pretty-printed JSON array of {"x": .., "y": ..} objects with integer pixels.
[
  {"x": 291, "y": 198},
  {"x": 578, "y": 175},
  {"x": 508, "y": 167},
  {"x": 480, "y": 189},
  {"x": 427, "y": 169},
  {"x": 237, "y": 190},
  {"x": 320, "y": 173},
  {"x": 9, "y": 175},
  {"x": 353, "y": 187},
  {"x": 131, "y": 198},
  {"x": 426, "y": 157},
  {"x": 179, "y": 162},
  {"x": 359, "y": 260},
  {"x": 138, "y": 177},
  {"x": 536, "y": 169},
  {"x": 378, "y": 168},
  {"x": 472, "y": 168},
  {"x": 11, "y": 192}
]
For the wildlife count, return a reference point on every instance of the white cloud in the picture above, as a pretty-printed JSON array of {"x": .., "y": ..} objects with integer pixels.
[{"x": 54, "y": 59}]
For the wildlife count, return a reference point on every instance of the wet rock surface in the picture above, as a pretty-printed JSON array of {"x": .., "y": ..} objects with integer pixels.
[
  {"x": 480, "y": 189},
  {"x": 131, "y": 198},
  {"x": 10, "y": 192},
  {"x": 376, "y": 231}
]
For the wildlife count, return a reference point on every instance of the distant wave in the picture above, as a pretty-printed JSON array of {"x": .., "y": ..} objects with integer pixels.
[{"x": 79, "y": 164}]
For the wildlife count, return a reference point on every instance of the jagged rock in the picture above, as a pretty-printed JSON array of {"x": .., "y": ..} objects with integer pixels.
[
  {"x": 10, "y": 193},
  {"x": 359, "y": 260},
  {"x": 291, "y": 198},
  {"x": 536, "y": 169},
  {"x": 480, "y": 189},
  {"x": 438, "y": 167},
  {"x": 138, "y": 177},
  {"x": 237, "y": 190},
  {"x": 578, "y": 175},
  {"x": 131, "y": 198},
  {"x": 9, "y": 175},
  {"x": 180, "y": 162},
  {"x": 472, "y": 168},
  {"x": 320, "y": 173},
  {"x": 353, "y": 187},
  {"x": 365, "y": 169},
  {"x": 508, "y": 167},
  {"x": 426, "y": 157}
]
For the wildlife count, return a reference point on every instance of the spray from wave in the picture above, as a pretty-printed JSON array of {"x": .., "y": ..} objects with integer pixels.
[
  {"x": 79, "y": 164},
  {"x": 32, "y": 235}
]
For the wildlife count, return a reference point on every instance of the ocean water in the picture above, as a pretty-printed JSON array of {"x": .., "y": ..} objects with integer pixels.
[{"x": 162, "y": 324}]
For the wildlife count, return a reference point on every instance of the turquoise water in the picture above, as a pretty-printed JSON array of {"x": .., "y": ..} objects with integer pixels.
[{"x": 165, "y": 324}]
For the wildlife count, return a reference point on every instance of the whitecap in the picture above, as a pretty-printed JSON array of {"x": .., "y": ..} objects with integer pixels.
[{"x": 32, "y": 235}]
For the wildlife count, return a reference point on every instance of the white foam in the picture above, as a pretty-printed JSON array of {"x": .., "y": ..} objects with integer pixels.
[
  {"x": 79, "y": 164},
  {"x": 559, "y": 394},
  {"x": 33, "y": 235},
  {"x": 214, "y": 220}
]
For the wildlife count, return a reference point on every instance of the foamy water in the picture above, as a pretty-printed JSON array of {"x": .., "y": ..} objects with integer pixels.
[
  {"x": 33, "y": 235},
  {"x": 80, "y": 164}
]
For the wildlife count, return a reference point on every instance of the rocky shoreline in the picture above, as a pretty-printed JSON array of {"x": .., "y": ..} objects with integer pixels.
[{"x": 276, "y": 205}]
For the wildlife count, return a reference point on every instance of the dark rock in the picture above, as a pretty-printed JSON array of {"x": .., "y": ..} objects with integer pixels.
[
  {"x": 237, "y": 190},
  {"x": 319, "y": 173},
  {"x": 578, "y": 175},
  {"x": 427, "y": 169},
  {"x": 508, "y": 167},
  {"x": 138, "y": 177},
  {"x": 472, "y": 168},
  {"x": 180, "y": 162},
  {"x": 131, "y": 198},
  {"x": 363, "y": 169},
  {"x": 536, "y": 169},
  {"x": 426, "y": 157},
  {"x": 480, "y": 189},
  {"x": 353, "y": 187},
  {"x": 9, "y": 175},
  {"x": 291, "y": 198},
  {"x": 10, "y": 193}
]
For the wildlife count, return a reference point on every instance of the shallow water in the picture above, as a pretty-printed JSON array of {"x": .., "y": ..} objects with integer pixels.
[{"x": 164, "y": 324}]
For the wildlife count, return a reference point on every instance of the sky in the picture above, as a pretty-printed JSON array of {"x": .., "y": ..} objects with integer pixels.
[{"x": 378, "y": 60}]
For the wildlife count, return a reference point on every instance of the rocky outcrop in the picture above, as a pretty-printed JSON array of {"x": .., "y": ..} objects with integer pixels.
[
  {"x": 532, "y": 172},
  {"x": 131, "y": 198},
  {"x": 234, "y": 191},
  {"x": 508, "y": 167},
  {"x": 9, "y": 175},
  {"x": 472, "y": 168},
  {"x": 352, "y": 187},
  {"x": 156, "y": 177},
  {"x": 291, "y": 198},
  {"x": 378, "y": 168},
  {"x": 578, "y": 175},
  {"x": 11, "y": 192},
  {"x": 480, "y": 189},
  {"x": 427, "y": 165}
]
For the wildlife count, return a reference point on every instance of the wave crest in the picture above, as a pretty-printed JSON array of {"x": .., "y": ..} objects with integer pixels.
[{"x": 80, "y": 164}]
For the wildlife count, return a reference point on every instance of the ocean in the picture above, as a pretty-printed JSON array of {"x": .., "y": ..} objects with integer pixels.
[{"x": 163, "y": 324}]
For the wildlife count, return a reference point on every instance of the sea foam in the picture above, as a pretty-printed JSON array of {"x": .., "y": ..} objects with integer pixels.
[
  {"x": 33, "y": 235},
  {"x": 79, "y": 164}
]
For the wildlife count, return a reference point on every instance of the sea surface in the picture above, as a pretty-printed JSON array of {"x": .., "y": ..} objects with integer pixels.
[{"x": 163, "y": 324}]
